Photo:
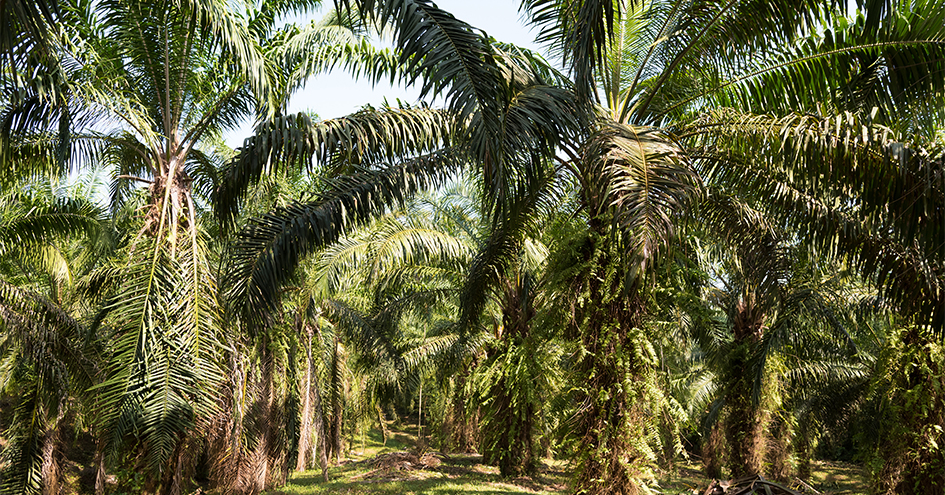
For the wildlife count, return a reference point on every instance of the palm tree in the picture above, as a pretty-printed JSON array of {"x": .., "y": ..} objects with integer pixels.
[
  {"x": 150, "y": 99},
  {"x": 50, "y": 361},
  {"x": 654, "y": 83},
  {"x": 781, "y": 307},
  {"x": 634, "y": 178},
  {"x": 852, "y": 175}
]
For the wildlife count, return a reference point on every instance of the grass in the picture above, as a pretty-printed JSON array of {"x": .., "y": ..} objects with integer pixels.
[
  {"x": 449, "y": 478},
  {"x": 838, "y": 478},
  {"x": 457, "y": 473},
  {"x": 465, "y": 473}
]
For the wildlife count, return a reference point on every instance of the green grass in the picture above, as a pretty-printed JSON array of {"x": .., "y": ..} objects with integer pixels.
[
  {"x": 836, "y": 478},
  {"x": 465, "y": 473},
  {"x": 458, "y": 473},
  {"x": 446, "y": 479}
]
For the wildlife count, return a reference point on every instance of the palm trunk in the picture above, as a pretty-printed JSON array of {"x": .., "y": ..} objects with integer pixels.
[
  {"x": 51, "y": 469},
  {"x": 99, "y": 461},
  {"x": 381, "y": 424},
  {"x": 779, "y": 449},
  {"x": 713, "y": 452},
  {"x": 508, "y": 433},
  {"x": 255, "y": 472},
  {"x": 459, "y": 429},
  {"x": 336, "y": 425},
  {"x": 508, "y": 438},
  {"x": 318, "y": 420},
  {"x": 745, "y": 422},
  {"x": 224, "y": 441},
  {"x": 613, "y": 392},
  {"x": 173, "y": 478},
  {"x": 318, "y": 425},
  {"x": 911, "y": 448},
  {"x": 304, "y": 459}
]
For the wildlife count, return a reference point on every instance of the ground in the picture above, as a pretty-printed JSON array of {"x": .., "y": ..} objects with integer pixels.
[{"x": 374, "y": 468}]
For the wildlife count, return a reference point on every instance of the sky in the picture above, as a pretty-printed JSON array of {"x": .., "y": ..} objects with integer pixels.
[{"x": 337, "y": 94}]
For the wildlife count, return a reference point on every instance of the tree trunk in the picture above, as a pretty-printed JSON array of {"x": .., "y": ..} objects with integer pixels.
[
  {"x": 99, "y": 461},
  {"x": 318, "y": 425},
  {"x": 255, "y": 474},
  {"x": 713, "y": 452},
  {"x": 305, "y": 456},
  {"x": 224, "y": 439},
  {"x": 744, "y": 432},
  {"x": 615, "y": 374},
  {"x": 778, "y": 453},
  {"x": 459, "y": 429},
  {"x": 51, "y": 469},
  {"x": 507, "y": 438},
  {"x": 336, "y": 425},
  {"x": 744, "y": 422},
  {"x": 173, "y": 479},
  {"x": 318, "y": 421},
  {"x": 912, "y": 445}
]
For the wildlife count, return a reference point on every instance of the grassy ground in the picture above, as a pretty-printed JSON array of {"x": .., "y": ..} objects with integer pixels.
[
  {"x": 465, "y": 473},
  {"x": 838, "y": 478},
  {"x": 455, "y": 473}
]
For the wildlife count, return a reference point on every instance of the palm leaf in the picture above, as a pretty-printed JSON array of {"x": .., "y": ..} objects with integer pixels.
[
  {"x": 367, "y": 136},
  {"x": 270, "y": 248}
]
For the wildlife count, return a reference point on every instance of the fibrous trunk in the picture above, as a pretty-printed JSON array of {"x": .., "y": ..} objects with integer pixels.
[
  {"x": 911, "y": 444},
  {"x": 510, "y": 412},
  {"x": 615, "y": 378},
  {"x": 744, "y": 424},
  {"x": 52, "y": 458},
  {"x": 507, "y": 436}
]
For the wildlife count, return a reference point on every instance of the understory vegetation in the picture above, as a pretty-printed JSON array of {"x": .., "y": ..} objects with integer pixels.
[{"x": 690, "y": 240}]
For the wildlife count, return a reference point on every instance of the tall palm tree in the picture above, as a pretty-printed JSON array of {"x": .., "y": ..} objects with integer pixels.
[
  {"x": 154, "y": 97},
  {"x": 779, "y": 302},
  {"x": 49, "y": 360},
  {"x": 716, "y": 62},
  {"x": 635, "y": 163},
  {"x": 847, "y": 161}
]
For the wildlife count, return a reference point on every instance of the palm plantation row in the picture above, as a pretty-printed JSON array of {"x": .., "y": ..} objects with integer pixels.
[{"x": 709, "y": 228}]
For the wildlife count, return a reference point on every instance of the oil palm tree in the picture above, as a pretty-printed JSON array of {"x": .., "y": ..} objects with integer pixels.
[
  {"x": 154, "y": 98},
  {"x": 646, "y": 81},
  {"x": 853, "y": 173},
  {"x": 530, "y": 84},
  {"x": 783, "y": 310},
  {"x": 635, "y": 165},
  {"x": 49, "y": 362}
]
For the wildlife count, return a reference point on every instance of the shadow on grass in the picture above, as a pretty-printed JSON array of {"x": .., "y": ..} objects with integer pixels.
[{"x": 458, "y": 474}]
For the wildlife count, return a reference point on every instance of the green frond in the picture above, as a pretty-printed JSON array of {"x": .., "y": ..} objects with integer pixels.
[
  {"x": 578, "y": 31},
  {"x": 443, "y": 53},
  {"x": 366, "y": 137},
  {"x": 270, "y": 248},
  {"x": 163, "y": 355},
  {"x": 320, "y": 47},
  {"x": 644, "y": 177},
  {"x": 851, "y": 185},
  {"x": 852, "y": 66}
]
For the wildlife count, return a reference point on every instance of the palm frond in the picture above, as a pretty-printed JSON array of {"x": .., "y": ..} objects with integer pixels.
[
  {"x": 270, "y": 248},
  {"x": 444, "y": 53},
  {"x": 644, "y": 177},
  {"x": 368, "y": 136}
]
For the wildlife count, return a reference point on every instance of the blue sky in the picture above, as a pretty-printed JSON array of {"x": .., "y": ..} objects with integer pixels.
[{"x": 337, "y": 94}]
